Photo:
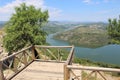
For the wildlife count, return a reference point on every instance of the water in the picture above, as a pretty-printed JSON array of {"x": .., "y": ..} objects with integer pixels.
[{"x": 107, "y": 54}]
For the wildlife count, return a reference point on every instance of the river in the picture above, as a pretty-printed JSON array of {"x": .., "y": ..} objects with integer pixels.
[{"x": 108, "y": 54}]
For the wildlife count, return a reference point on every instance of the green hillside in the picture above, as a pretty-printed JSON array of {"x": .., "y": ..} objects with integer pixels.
[
  {"x": 56, "y": 26},
  {"x": 85, "y": 36}
]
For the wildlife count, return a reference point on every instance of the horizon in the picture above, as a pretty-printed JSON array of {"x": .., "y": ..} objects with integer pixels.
[
  {"x": 71, "y": 21},
  {"x": 67, "y": 10}
]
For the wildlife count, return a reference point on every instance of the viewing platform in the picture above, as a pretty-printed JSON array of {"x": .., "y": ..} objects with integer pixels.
[
  {"x": 42, "y": 71},
  {"x": 50, "y": 63}
]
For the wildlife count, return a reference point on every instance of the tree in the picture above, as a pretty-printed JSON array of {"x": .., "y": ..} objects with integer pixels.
[
  {"x": 24, "y": 28},
  {"x": 114, "y": 30}
]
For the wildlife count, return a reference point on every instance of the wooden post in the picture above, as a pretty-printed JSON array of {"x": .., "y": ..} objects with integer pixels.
[
  {"x": 33, "y": 54},
  {"x": 58, "y": 55},
  {"x": 95, "y": 75},
  {"x": 1, "y": 71},
  {"x": 72, "y": 57},
  {"x": 25, "y": 58},
  {"x": 66, "y": 72},
  {"x": 81, "y": 74}
]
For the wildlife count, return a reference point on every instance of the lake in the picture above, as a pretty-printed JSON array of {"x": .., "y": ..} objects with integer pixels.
[{"x": 108, "y": 54}]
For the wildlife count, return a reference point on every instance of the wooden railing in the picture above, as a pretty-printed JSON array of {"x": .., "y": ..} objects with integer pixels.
[
  {"x": 70, "y": 71},
  {"x": 57, "y": 53},
  {"x": 99, "y": 72},
  {"x": 15, "y": 63},
  {"x": 68, "y": 62}
]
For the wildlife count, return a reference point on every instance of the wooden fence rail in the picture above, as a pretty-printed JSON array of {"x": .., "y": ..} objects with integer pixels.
[
  {"x": 68, "y": 70},
  {"x": 15, "y": 63},
  {"x": 11, "y": 65},
  {"x": 68, "y": 62},
  {"x": 94, "y": 70},
  {"x": 58, "y": 53}
]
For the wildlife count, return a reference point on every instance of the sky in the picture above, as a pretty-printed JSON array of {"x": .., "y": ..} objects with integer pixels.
[{"x": 67, "y": 10}]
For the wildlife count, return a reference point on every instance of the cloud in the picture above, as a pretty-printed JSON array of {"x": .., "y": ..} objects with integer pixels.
[
  {"x": 95, "y": 1},
  {"x": 7, "y": 10},
  {"x": 87, "y": 1},
  {"x": 55, "y": 13},
  {"x": 90, "y": 2}
]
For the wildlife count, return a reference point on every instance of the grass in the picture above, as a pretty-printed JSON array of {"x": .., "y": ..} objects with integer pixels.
[
  {"x": 87, "y": 62},
  {"x": 84, "y": 74}
]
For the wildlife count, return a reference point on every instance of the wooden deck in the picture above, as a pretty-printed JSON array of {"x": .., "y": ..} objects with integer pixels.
[
  {"x": 42, "y": 71},
  {"x": 29, "y": 67}
]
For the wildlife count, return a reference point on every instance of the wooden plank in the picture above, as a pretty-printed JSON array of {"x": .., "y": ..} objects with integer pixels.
[
  {"x": 25, "y": 58},
  {"x": 76, "y": 77},
  {"x": 102, "y": 75},
  {"x": 33, "y": 54},
  {"x": 12, "y": 55},
  {"x": 66, "y": 72},
  {"x": 93, "y": 68},
  {"x": 70, "y": 57},
  {"x": 95, "y": 75},
  {"x": 41, "y": 54},
  {"x": 42, "y": 71},
  {"x": 12, "y": 76},
  {"x": 1, "y": 72},
  {"x": 87, "y": 77},
  {"x": 52, "y": 54},
  {"x": 40, "y": 60},
  {"x": 20, "y": 60},
  {"x": 39, "y": 46}
]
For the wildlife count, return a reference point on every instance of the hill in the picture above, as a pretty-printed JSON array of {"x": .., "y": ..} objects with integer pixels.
[
  {"x": 57, "y": 26},
  {"x": 86, "y": 36}
]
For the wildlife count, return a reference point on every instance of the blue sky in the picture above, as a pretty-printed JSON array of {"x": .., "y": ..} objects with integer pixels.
[{"x": 67, "y": 10}]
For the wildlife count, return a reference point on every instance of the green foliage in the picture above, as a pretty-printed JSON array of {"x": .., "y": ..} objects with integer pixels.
[
  {"x": 88, "y": 62},
  {"x": 58, "y": 53},
  {"x": 114, "y": 30},
  {"x": 24, "y": 28},
  {"x": 91, "y": 37}
]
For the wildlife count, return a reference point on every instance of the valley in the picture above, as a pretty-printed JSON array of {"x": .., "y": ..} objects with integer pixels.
[{"x": 91, "y": 36}]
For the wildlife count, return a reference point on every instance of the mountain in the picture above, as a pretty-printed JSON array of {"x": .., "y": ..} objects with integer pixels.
[
  {"x": 91, "y": 36},
  {"x": 57, "y": 26}
]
